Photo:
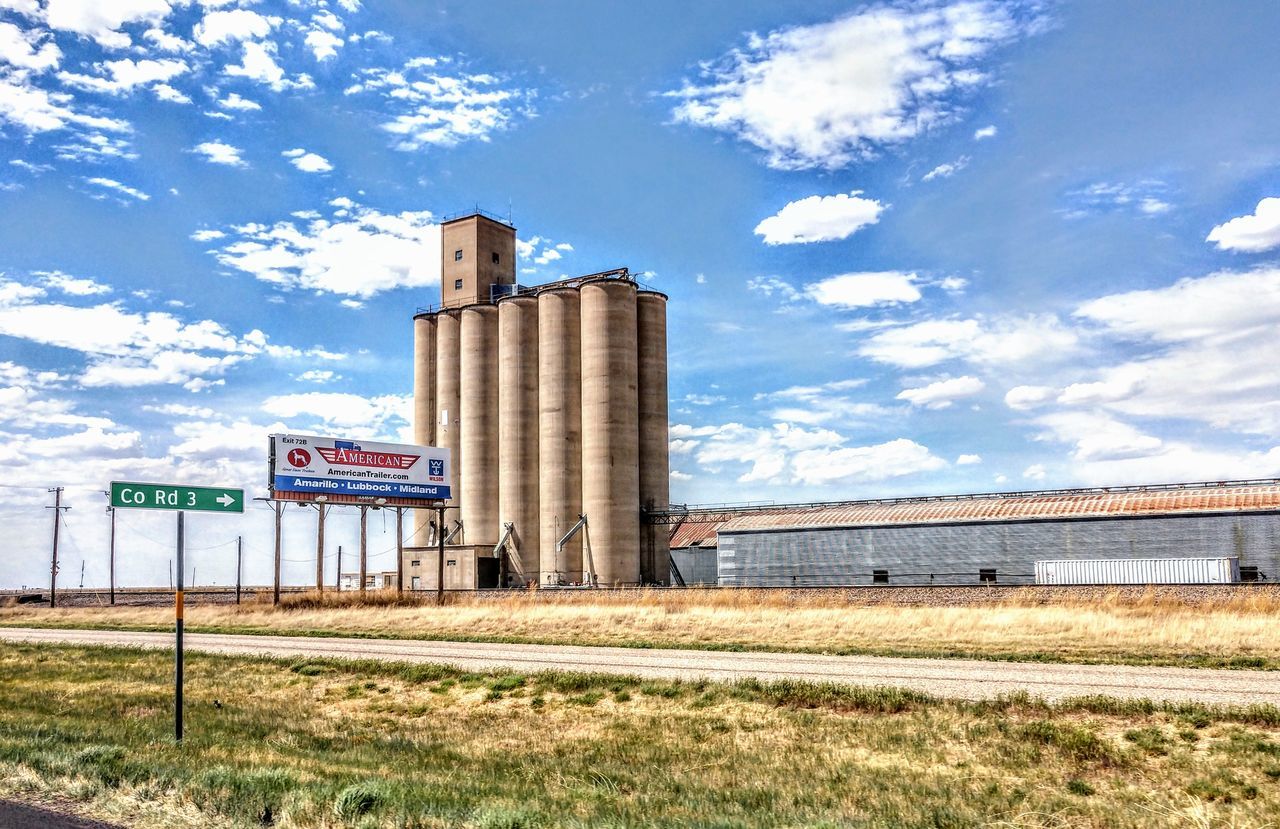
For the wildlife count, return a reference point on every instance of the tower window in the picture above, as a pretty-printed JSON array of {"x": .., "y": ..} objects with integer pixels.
[
  {"x": 457, "y": 284},
  {"x": 457, "y": 256},
  {"x": 496, "y": 259}
]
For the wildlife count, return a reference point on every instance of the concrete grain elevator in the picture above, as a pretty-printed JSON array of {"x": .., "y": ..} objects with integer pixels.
[{"x": 553, "y": 401}]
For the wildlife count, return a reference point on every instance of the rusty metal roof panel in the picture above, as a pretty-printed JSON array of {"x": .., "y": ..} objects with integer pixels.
[{"x": 1016, "y": 507}]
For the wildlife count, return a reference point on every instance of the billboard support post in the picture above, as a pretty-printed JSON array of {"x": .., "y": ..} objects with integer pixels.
[{"x": 177, "y": 630}]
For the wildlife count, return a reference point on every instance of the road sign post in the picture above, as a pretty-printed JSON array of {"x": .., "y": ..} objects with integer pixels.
[{"x": 180, "y": 498}]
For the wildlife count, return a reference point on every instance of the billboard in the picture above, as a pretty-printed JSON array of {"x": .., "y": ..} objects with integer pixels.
[{"x": 335, "y": 466}]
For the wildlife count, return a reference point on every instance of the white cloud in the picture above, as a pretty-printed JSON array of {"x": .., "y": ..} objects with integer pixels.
[
  {"x": 863, "y": 290},
  {"x": 96, "y": 148},
  {"x": 829, "y": 94},
  {"x": 37, "y": 110},
  {"x": 164, "y": 92},
  {"x": 947, "y": 170},
  {"x": 258, "y": 64},
  {"x": 231, "y": 26},
  {"x": 72, "y": 286},
  {"x": 825, "y": 403},
  {"x": 704, "y": 399},
  {"x": 102, "y": 21},
  {"x": 1035, "y": 472},
  {"x": 323, "y": 45},
  {"x": 820, "y": 219},
  {"x": 380, "y": 416},
  {"x": 358, "y": 252},
  {"x": 207, "y": 235},
  {"x": 112, "y": 184},
  {"x": 1146, "y": 197},
  {"x": 942, "y": 393},
  {"x": 988, "y": 131},
  {"x": 124, "y": 75},
  {"x": 234, "y": 101},
  {"x": 968, "y": 460},
  {"x": 1003, "y": 341},
  {"x": 1252, "y": 234},
  {"x": 1201, "y": 357},
  {"x": 167, "y": 42},
  {"x": 217, "y": 152},
  {"x": 771, "y": 286},
  {"x": 307, "y": 162},
  {"x": 1098, "y": 437},
  {"x": 1021, "y": 398},
  {"x": 24, "y": 49},
  {"x": 443, "y": 110},
  {"x": 316, "y": 375}
]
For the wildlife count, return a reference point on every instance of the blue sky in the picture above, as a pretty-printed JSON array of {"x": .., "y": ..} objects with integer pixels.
[{"x": 911, "y": 248}]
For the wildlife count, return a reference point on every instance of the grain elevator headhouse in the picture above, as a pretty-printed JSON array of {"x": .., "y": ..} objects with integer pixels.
[{"x": 553, "y": 401}]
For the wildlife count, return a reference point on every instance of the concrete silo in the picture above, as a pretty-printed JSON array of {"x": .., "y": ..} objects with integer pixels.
[
  {"x": 424, "y": 399},
  {"x": 553, "y": 402},
  {"x": 559, "y": 431},
  {"x": 610, "y": 440},
  {"x": 518, "y": 434},
  {"x": 478, "y": 408},
  {"x": 449, "y": 392},
  {"x": 655, "y": 473}
]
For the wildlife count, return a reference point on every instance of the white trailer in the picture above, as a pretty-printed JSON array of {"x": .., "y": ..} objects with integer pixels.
[{"x": 1139, "y": 571}]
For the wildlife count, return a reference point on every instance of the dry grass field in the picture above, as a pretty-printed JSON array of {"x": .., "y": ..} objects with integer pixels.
[
  {"x": 1243, "y": 632},
  {"x": 323, "y": 744}
]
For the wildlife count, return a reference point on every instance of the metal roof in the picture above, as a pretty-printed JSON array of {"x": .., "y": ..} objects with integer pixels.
[{"x": 701, "y": 529}]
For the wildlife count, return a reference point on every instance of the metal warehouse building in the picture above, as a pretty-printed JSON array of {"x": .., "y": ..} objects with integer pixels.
[{"x": 967, "y": 539}]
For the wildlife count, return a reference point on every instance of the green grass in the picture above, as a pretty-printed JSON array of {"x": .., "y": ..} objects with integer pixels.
[
  {"x": 324, "y": 743},
  {"x": 1184, "y": 660}
]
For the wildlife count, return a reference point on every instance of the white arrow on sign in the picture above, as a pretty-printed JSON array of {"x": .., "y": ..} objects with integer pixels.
[{"x": 225, "y": 500}]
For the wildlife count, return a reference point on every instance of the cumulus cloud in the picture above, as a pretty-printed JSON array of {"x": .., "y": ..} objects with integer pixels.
[
  {"x": 72, "y": 286},
  {"x": 37, "y": 110},
  {"x": 832, "y": 93},
  {"x": 380, "y": 416},
  {"x": 235, "y": 101},
  {"x": 119, "y": 76},
  {"x": 788, "y": 454},
  {"x": 982, "y": 133},
  {"x": 820, "y": 219},
  {"x": 307, "y": 162},
  {"x": 102, "y": 21},
  {"x": 1021, "y": 398},
  {"x": 27, "y": 49},
  {"x": 864, "y": 290},
  {"x": 356, "y": 252},
  {"x": 258, "y": 63},
  {"x": 220, "y": 27},
  {"x": 1251, "y": 234},
  {"x": 323, "y": 45},
  {"x": 218, "y": 152},
  {"x": 968, "y": 460},
  {"x": 998, "y": 342},
  {"x": 442, "y": 110},
  {"x": 942, "y": 394}
]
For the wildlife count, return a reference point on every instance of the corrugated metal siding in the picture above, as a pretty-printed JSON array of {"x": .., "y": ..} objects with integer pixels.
[
  {"x": 1139, "y": 571},
  {"x": 954, "y": 553},
  {"x": 697, "y": 564},
  {"x": 1028, "y": 507}
]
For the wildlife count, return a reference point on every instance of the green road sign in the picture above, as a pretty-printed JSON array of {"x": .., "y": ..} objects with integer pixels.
[{"x": 176, "y": 497}]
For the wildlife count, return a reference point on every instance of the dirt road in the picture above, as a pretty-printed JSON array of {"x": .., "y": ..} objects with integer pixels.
[{"x": 963, "y": 679}]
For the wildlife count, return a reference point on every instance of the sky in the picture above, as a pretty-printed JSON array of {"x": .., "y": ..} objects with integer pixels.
[{"x": 911, "y": 248}]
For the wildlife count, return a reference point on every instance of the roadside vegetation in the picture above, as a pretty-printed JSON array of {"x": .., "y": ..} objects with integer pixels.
[
  {"x": 315, "y": 743},
  {"x": 1149, "y": 630}
]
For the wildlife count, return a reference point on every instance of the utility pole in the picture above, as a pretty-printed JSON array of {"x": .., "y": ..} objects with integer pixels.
[
  {"x": 320, "y": 549},
  {"x": 337, "y": 580},
  {"x": 239, "y": 563},
  {"x": 112, "y": 555},
  {"x": 170, "y": 574},
  {"x": 82, "y": 574},
  {"x": 57, "y": 520},
  {"x": 399, "y": 551},
  {"x": 364, "y": 544}
]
